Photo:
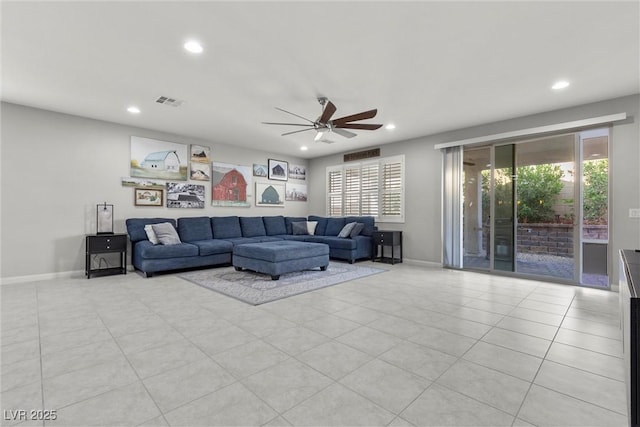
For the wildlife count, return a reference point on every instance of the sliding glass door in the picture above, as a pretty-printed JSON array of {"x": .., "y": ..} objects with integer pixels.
[{"x": 531, "y": 208}]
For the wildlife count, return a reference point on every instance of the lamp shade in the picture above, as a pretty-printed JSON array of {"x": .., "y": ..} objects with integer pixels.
[{"x": 104, "y": 218}]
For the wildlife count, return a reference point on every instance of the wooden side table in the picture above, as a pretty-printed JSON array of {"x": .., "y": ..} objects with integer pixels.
[
  {"x": 382, "y": 238},
  {"x": 106, "y": 243}
]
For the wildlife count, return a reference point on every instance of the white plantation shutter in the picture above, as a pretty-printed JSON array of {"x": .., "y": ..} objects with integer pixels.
[
  {"x": 369, "y": 191},
  {"x": 352, "y": 191},
  {"x": 374, "y": 188},
  {"x": 334, "y": 191},
  {"x": 392, "y": 189}
]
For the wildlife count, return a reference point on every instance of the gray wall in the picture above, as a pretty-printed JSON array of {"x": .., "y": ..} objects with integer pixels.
[
  {"x": 57, "y": 167},
  {"x": 422, "y": 229}
]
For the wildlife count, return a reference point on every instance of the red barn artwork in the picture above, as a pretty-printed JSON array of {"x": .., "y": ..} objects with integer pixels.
[{"x": 228, "y": 186}]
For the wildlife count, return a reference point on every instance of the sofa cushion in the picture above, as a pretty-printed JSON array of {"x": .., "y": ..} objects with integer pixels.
[
  {"x": 213, "y": 246},
  {"x": 150, "y": 251},
  {"x": 346, "y": 230},
  {"x": 166, "y": 233},
  {"x": 135, "y": 227},
  {"x": 252, "y": 226},
  {"x": 242, "y": 240},
  {"x": 194, "y": 229},
  {"x": 357, "y": 229},
  {"x": 368, "y": 221},
  {"x": 289, "y": 219},
  {"x": 151, "y": 235},
  {"x": 337, "y": 242},
  {"x": 299, "y": 228},
  {"x": 311, "y": 227},
  {"x": 226, "y": 227},
  {"x": 274, "y": 225},
  {"x": 334, "y": 225},
  {"x": 322, "y": 224}
]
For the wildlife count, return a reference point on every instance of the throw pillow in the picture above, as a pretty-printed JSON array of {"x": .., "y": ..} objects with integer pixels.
[
  {"x": 299, "y": 227},
  {"x": 357, "y": 229},
  {"x": 346, "y": 230},
  {"x": 166, "y": 233},
  {"x": 151, "y": 235},
  {"x": 311, "y": 227}
]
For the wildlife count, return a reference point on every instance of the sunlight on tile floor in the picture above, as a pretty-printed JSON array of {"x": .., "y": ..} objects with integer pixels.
[{"x": 412, "y": 346}]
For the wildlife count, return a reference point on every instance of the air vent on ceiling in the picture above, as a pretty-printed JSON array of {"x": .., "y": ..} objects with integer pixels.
[{"x": 169, "y": 101}]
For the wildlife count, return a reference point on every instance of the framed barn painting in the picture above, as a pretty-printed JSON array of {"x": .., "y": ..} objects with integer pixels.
[
  {"x": 296, "y": 192},
  {"x": 183, "y": 195},
  {"x": 230, "y": 185},
  {"x": 148, "y": 197},
  {"x": 278, "y": 170},
  {"x": 260, "y": 170},
  {"x": 297, "y": 172},
  {"x": 151, "y": 158},
  {"x": 269, "y": 194}
]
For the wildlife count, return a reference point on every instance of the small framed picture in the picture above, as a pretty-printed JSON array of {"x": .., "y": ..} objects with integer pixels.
[
  {"x": 148, "y": 197},
  {"x": 278, "y": 170}
]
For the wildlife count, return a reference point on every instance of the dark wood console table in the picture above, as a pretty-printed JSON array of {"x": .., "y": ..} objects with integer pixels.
[
  {"x": 106, "y": 243},
  {"x": 382, "y": 238}
]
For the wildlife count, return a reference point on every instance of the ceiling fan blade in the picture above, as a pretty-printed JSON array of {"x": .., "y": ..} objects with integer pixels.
[
  {"x": 328, "y": 111},
  {"x": 343, "y": 132},
  {"x": 293, "y": 114},
  {"x": 354, "y": 117},
  {"x": 287, "y": 124},
  {"x": 296, "y": 131},
  {"x": 363, "y": 126}
]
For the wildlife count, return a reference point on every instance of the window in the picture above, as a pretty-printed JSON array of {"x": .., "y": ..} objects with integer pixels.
[{"x": 373, "y": 188}]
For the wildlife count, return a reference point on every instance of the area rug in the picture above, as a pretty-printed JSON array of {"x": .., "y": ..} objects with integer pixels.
[{"x": 256, "y": 288}]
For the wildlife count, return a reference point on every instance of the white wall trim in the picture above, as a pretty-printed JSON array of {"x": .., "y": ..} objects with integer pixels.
[
  {"x": 421, "y": 263},
  {"x": 536, "y": 131},
  {"x": 40, "y": 277}
]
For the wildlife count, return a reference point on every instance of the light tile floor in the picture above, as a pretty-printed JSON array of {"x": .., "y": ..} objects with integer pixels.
[{"x": 412, "y": 346}]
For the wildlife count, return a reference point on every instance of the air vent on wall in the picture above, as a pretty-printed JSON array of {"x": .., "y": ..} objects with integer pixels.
[{"x": 169, "y": 101}]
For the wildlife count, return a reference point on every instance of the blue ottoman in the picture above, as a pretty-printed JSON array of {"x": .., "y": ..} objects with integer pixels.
[{"x": 276, "y": 258}]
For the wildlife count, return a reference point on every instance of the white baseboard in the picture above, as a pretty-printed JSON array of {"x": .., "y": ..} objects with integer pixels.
[
  {"x": 422, "y": 263},
  {"x": 40, "y": 277}
]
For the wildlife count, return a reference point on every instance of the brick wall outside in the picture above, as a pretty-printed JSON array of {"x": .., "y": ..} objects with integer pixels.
[{"x": 551, "y": 239}]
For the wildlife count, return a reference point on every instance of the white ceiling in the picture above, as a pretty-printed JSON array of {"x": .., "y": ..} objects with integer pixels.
[{"x": 427, "y": 66}]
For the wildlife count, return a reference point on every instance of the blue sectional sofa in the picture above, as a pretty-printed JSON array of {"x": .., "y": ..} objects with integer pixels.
[{"x": 209, "y": 241}]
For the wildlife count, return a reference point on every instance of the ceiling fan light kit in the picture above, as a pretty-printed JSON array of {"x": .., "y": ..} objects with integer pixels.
[{"x": 323, "y": 124}]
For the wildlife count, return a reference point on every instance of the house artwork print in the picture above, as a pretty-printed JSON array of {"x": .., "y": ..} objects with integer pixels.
[
  {"x": 184, "y": 195},
  {"x": 151, "y": 158},
  {"x": 269, "y": 194},
  {"x": 230, "y": 185},
  {"x": 200, "y": 167}
]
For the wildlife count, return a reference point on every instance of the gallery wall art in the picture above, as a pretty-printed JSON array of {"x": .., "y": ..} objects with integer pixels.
[
  {"x": 296, "y": 192},
  {"x": 230, "y": 185},
  {"x": 200, "y": 167},
  {"x": 260, "y": 170},
  {"x": 141, "y": 182},
  {"x": 297, "y": 172},
  {"x": 278, "y": 170},
  {"x": 148, "y": 197},
  {"x": 269, "y": 194},
  {"x": 151, "y": 158},
  {"x": 183, "y": 195}
]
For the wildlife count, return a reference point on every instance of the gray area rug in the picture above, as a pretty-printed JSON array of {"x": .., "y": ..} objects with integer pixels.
[{"x": 256, "y": 288}]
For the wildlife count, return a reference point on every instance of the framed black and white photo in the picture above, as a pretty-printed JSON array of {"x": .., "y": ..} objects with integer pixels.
[
  {"x": 297, "y": 172},
  {"x": 259, "y": 170},
  {"x": 180, "y": 195},
  {"x": 296, "y": 192},
  {"x": 278, "y": 170}
]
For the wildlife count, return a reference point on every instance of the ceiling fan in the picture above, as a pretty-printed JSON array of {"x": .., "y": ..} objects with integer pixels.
[{"x": 323, "y": 124}]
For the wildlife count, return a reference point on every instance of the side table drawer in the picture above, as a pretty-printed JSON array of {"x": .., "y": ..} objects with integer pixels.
[{"x": 106, "y": 243}]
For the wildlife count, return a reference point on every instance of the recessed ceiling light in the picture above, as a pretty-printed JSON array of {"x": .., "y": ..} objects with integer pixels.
[
  {"x": 560, "y": 85},
  {"x": 133, "y": 110},
  {"x": 193, "y": 46},
  {"x": 304, "y": 148},
  {"x": 390, "y": 126}
]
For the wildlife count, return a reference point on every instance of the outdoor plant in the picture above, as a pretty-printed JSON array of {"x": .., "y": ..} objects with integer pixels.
[
  {"x": 596, "y": 182},
  {"x": 538, "y": 187}
]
